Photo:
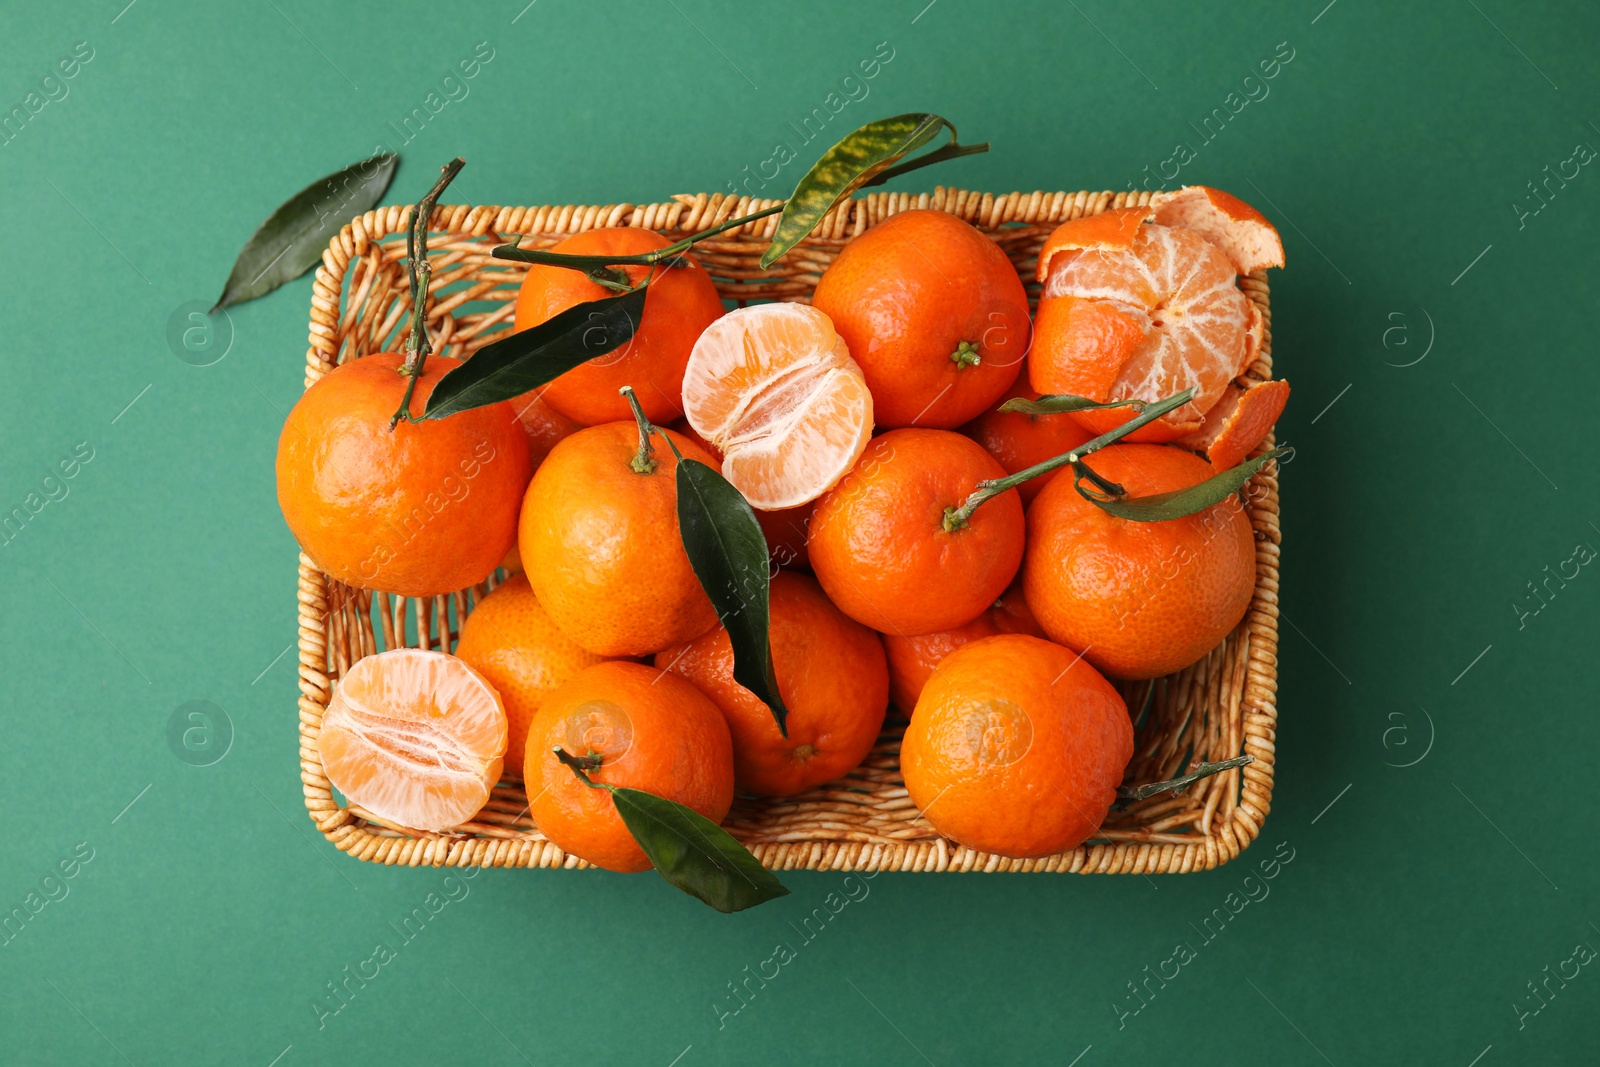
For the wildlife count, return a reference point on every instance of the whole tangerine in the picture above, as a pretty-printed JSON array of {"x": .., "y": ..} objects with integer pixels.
[
  {"x": 885, "y": 549},
  {"x": 934, "y": 313},
  {"x": 427, "y": 508},
  {"x": 643, "y": 729},
  {"x": 599, "y": 542},
  {"x": 1016, "y": 747},
  {"x": 1141, "y": 599}
]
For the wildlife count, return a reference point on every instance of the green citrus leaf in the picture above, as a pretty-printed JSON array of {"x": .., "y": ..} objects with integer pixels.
[
  {"x": 291, "y": 241},
  {"x": 1058, "y": 403},
  {"x": 694, "y": 853},
  {"x": 1166, "y": 506},
  {"x": 528, "y": 359},
  {"x": 865, "y": 157},
  {"x": 729, "y": 553}
]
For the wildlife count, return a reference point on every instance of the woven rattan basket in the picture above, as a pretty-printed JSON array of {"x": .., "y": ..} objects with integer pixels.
[{"x": 1216, "y": 709}]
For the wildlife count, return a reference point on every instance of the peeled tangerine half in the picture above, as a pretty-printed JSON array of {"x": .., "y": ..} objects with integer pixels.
[
  {"x": 414, "y": 737},
  {"x": 773, "y": 388},
  {"x": 1143, "y": 302}
]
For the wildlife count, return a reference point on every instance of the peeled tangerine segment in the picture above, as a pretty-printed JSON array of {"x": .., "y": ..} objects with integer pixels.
[
  {"x": 1201, "y": 331},
  {"x": 414, "y": 737},
  {"x": 774, "y": 389}
]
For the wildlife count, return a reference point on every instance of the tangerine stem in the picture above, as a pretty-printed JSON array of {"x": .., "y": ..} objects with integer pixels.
[
  {"x": 966, "y": 355},
  {"x": 1110, "y": 488},
  {"x": 956, "y": 518},
  {"x": 581, "y": 765},
  {"x": 643, "y": 461},
  {"x": 421, "y": 273}
]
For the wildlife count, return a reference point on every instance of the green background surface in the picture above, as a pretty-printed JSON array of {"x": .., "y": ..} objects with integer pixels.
[{"x": 1436, "y": 747}]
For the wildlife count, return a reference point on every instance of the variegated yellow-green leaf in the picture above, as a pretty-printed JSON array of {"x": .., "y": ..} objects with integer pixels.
[
  {"x": 865, "y": 157},
  {"x": 1058, "y": 403}
]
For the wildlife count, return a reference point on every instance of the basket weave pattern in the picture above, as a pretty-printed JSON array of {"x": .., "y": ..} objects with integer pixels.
[{"x": 1218, "y": 708}]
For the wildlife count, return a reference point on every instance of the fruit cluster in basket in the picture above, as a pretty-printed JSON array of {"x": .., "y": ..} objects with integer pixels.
[{"x": 735, "y": 539}]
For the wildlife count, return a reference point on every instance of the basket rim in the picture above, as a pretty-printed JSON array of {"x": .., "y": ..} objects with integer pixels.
[{"x": 1222, "y": 839}]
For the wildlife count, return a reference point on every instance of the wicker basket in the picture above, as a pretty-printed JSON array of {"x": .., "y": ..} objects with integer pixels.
[{"x": 1218, "y": 708}]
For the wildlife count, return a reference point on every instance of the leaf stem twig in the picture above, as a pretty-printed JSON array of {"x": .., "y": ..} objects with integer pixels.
[
  {"x": 1179, "y": 784},
  {"x": 420, "y": 272},
  {"x": 956, "y": 518},
  {"x": 595, "y": 265}
]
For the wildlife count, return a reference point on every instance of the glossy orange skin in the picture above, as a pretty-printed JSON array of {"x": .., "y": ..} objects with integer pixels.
[
  {"x": 905, "y": 294},
  {"x": 682, "y": 301},
  {"x": 1079, "y": 346},
  {"x": 601, "y": 547},
  {"x": 1141, "y": 599},
  {"x": 879, "y": 547},
  {"x": 833, "y": 678},
  {"x": 543, "y": 425},
  {"x": 653, "y": 731},
  {"x": 512, "y": 641},
  {"x": 1019, "y": 441},
  {"x": 1016, "y": 747},
  {"x": 913, "y": 660},
  {"x": 426, "y": 509}
]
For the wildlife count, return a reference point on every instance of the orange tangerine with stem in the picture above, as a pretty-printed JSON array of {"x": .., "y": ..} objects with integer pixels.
[
  {"x": 422, "y": 509},
  {"x": 415, "y": 737},
  {"x": 1139, "y": 599},
  {"x": 600, "y": 543},
  {"x": 935, "y": 314},
  {"x": 890, "y": 549},
  {"x": 772, "y": 387},
  {"x": 633, "y": 726}
]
